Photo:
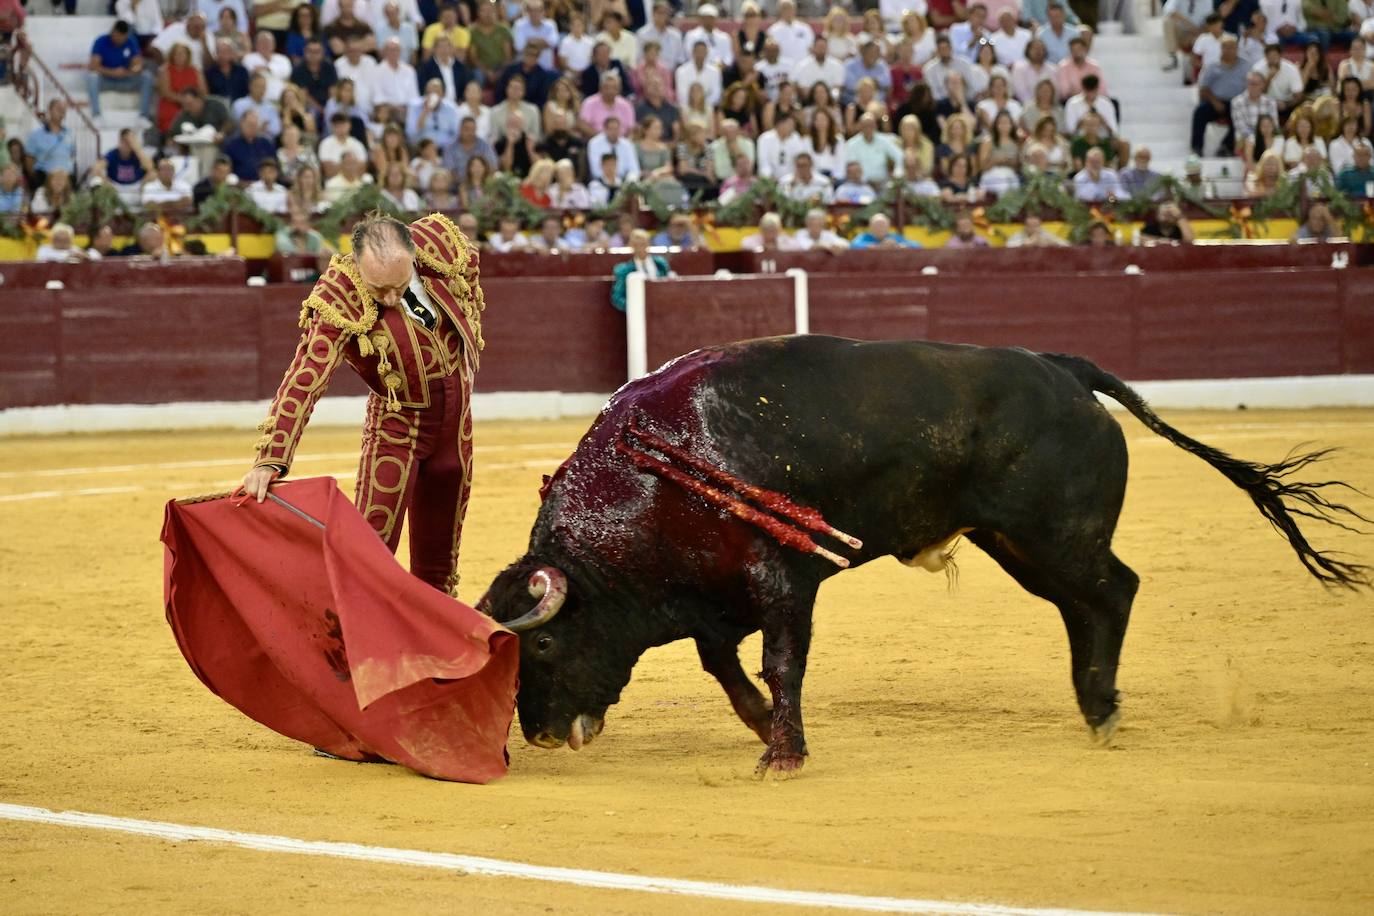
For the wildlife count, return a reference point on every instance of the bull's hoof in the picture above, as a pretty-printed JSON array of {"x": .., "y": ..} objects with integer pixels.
[
  {"x": 1102, "y": 732},
  {"x": 778, "y": 765}
]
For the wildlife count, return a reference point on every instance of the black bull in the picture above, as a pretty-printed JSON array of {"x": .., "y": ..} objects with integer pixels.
[{"x": 903, "y": 445}]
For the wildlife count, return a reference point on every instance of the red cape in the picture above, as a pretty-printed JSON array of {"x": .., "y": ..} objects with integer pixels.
[{"x": 322, "y": 636}]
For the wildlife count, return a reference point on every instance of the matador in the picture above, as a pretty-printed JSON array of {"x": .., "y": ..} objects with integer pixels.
[{"x": 404, "y": 311}]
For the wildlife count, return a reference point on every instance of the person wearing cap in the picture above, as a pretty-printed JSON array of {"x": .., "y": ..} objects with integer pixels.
[
  {"x": 965, "y": 36},
  {"x": 672, "y": 51},
  {"x": 721, "y": 50}
]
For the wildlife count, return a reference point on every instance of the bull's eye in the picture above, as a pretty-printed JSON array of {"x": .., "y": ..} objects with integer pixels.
[{"x": 544, "y": 643}]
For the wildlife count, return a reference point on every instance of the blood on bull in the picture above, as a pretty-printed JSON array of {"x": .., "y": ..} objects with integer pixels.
[{"x": 710, "y": 500}]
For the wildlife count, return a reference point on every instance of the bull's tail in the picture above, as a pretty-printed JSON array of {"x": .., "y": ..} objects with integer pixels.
[{"x": 1278, "y": 498}]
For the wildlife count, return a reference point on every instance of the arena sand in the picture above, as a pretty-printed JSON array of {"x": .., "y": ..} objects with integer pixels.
[{"x": 949, "y": 760}]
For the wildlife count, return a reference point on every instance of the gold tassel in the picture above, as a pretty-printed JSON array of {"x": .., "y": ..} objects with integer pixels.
[
  {"x": 364, "y": 345},
  {"x": 392, "y": 381}
]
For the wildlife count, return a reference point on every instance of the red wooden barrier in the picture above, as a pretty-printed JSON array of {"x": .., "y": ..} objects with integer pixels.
[{"x": 686, "y": 314}]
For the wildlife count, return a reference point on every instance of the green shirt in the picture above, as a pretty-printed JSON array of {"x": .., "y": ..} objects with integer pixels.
[
  {"x": 488, "y": 49},
  {"x": 286, "y": 243},
  {"x": 1326, "y": 14}
]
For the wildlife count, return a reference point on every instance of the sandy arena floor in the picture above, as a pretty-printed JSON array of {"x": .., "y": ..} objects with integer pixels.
[{"x": 949, "y": 760}]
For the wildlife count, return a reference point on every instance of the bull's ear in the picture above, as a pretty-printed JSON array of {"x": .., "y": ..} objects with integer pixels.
[{"x": 544, "y": 487}]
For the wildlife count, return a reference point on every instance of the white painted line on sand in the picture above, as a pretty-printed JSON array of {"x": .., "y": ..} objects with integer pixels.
[{"x": 499, "y": 868}]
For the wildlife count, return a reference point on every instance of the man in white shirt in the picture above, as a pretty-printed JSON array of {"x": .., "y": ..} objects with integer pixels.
[
  {"x": 805, "y": 185},
  {"x": 338, "y": 144},
  {"x": 264, "y": 56},
  {"x": 722, "y": 49},
  {"x": 814, "y": 234},
  {"x": 672, "y": 51},
  {"x": 964, "y": 36},
  {"x": 358, "y": 67},
  {"x": 1095, "y": 182},
  {"x": 508, "y": 236},
  {"x": 1026, "y": 74},
  {"x": 772, "y": 68},
  {"x": 777, "y": 149},
  {"x": 190, "y": 32},
  {"x": 698, "y": 70},
  {"x": 817, "y": 67},
  {"x": 937, "y": 71},
  {"x": 794, "y": 38},
  {"x": 1010, "y": 40},
  {"x": 770, "y": 236},
  {"x": 892, "y": 11},
  {"x": 1090, "y": 99},
  {"x": 611, "y": 142},
  {"x": 1285, "y": 20},
  {"x": 392, "y": 82},
  {"x": 162, "y": 189},
  {"x": 267, "y": 192},
  {"x": 534, "y": 25},
  {"x": 1207, "y": 46},
  {"x": 1283, "y": 80}
]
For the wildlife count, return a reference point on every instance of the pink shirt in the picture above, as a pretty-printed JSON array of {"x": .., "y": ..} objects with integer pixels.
[
  {"x": 595, "y": 112},
  {"x": 995, "y": 7},
  {"x": 1070, "y": 77},
  {"x": 637, "y": 81}
]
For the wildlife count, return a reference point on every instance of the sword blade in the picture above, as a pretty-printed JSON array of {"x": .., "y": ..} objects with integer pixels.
[{"x": 294, "y": 511}]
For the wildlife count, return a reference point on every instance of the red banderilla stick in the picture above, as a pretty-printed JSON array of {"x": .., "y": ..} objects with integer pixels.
[
  {"x": 782, "y": 533},
  {"x": 770, "y": 499}
]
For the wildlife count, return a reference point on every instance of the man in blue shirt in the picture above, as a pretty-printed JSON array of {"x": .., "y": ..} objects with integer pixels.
[
  {"x": 433, "y": 117},
  {"x": 533, "y": 25},
  {"x": 127, "y": 164},
  {"x": 880, "y": 235},
  {"x": 867, "y": 64},
  {"x": 51, "y": 145},
  {"x": 247, "y": 148},
  {"x": 116, "y": 65}
]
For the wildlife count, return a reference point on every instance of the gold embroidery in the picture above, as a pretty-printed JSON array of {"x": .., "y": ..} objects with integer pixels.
[{"x": 331, "y": 314}]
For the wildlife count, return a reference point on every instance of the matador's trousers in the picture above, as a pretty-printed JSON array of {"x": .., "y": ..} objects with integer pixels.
[{"x": 419, "y": 461}]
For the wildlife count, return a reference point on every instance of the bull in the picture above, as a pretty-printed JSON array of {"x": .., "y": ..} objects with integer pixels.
[{"x": 710, "y": 500}]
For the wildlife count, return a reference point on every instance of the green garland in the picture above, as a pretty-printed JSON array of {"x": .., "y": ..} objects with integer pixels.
[
  {"x": 1357, "y": 220},
  {"x": 1040, "y": 192},
  {"x": 647, "y": 194},
  {"x": 358, "y": 202},
  {"x": 92, "y": 207},
  {"x": 227, "y": 200},
  {"x": 11, "y": 227}
]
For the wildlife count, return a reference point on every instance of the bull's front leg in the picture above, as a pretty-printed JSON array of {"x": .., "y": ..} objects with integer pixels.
[
  {"x": 786, "y": 641},
  {"x": 720, "y": 658}
]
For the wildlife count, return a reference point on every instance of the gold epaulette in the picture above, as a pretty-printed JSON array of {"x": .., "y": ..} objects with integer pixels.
[
  {"x": 442, "y": 247},
  {"x": 340, "y": 300}
]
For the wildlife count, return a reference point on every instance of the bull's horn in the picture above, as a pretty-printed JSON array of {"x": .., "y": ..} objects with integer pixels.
[{"x": 550, "y": 586}]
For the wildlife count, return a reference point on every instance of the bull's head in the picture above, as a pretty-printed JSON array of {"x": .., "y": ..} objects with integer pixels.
[{"x": 574, "y": 660}]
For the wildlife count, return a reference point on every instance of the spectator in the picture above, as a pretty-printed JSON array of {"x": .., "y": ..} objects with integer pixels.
[
  {"x": 938, "y": 70},
  {"x": 1070, "y": 72},
  {"x": 815, "y": 236},
  {"x": 1284, "y": 22},
  {"x": 999, "y": 100},
  {"x": 393, "y": 81},
  {"x": 248, "y": 147},
  {"x": 955, "y": 102},
  {"x": 726, "y": 149},
  {"x": 1056, "y": 150},
  {"x": 1250, "y": 45},
  {"x": 963, "y": 235},
  {"x": 144, "y": 18},
  {"x": 720, "y": 47},
  {"x": 1057, "y": 35},
  {"x": 1316, "y": 74},
  {"x": 778, "y": 148},
  {"x": 1248, "y": 107},
  {"x": 474, "y": 187},
  {"x": 55, "y": 194},
  {"x": 589, "y": 80},
  {"x": 1302, "y": 135},
  {"x": 1140, "y": 178},
  {"x": 678, "y": 234},
  {"x": 351, "y": 176},
  {"x": 221, "y": 173},
  {"x": 508, "y": 236},
  {"x": 176, "y": 76},
  {"x": 127, "y": 164},
  {"x": 396, "y": 188},
  {"x": 699, "y": 71},
  {"x": 769, "y": 237},
  {"x": 793, "y": 36},
  {"x": 445, "y": 27},
  {"x": 654, "y": 267},
  {"x": 1217, "y": 86},
  {"x": 148, "y": 243},
  {"x": 985, "y": 67},
  {"x": 818, "y": 66},
  {"x": 575, "y": 47},
  {"x": 843, "y": 43},
  {"x": 918, "y": 182},
  {"x": 605, "y": 183},
  {"x": 1092, "y": 136},
  {"x": 265, "y": 58},
  {"x": 425, "y": 163},
  {"x": 1027, "y": 74},
  {"x": 1100, "y": 236},
  {"x": 867, "y": 66},
  {"x": 471, "y": 107},
  {"x": 12, "y": 200},
  {"x": 1341, "y": 151},
  {"x": 1357, "y": 178},
  {"x": 652, "y": 69},
  {"x": 1313, "y": 169},
  {"x": 1042, "y": 106},
  {"x": 877, "y": 154},
  {"x": 1207, "y": 45},
  {"x": 1033, "y": 234},
  {"x": 294, "y": 154},
  {"x": 440, "y": 193},
  {"x": 1318, "y": 226},
  {"x": 444, "y": 65},
  {"x": 315, "y": 75},
  {"x": 538, "y": 80},
  {"x": 226, "y": 77},
  {"x": 740, "y": 181},
  {"x": 968, "y": 35},
  {"x": 567, "y": 193},
  {"x": 1264, "y": 179},
  {"x": 805, "y": 185},
  {"x": 59, "y": 247},
  {"x": 654, "y": 103},
  {"x": 1266, "y": 137},
  {"x": 1090, "y": 99},
  {"x": 467, "y": 224},
  {"x": 230, "y": 27},
  {"x": 256, "y": 101},
  {"x": 1353, "y": 103},
  {"x": 742, "y": 103},
  {"x": 655, "y": 157},
  {"x": 468, "y": 147},
  {"x": 339, "y": 142},
  {"x": 959, "y": 183},
  {"x": 514, "y": 104},
  {"x": 192, "y": 33},
  {"x": 348, "y": 31},
  {"x": 493, "y": 45},
  {"x": 957, "y": 140},
  {"x": 1010, "y": 41},
  {"x": 535, "y": 187},
  {"x": 607, "y": 103},
  {"x": 1282, "y": 80},
  {"x": 1168, "y": 224},
  {"x": 534, "y": 28},
  {"x": 116, "y": 65},
  {"x": 560, "y": 142},
  {"x": 305, "y": 28},
  {"x": 432, "y": 117},
  {"x": 550, "y": 238},
  {"x": 1357, "y": 66},
  {"x": 695, "y": 112},
  {"x": 622, "y": 43},
  {"x": 1095, "y": 182},
  {"x": 514, "y": 149},
  {"x": 880, "y": 235},
  {"x": 771, "y": 68},
  {"x": 1327, "y": 20},
  {"x": 164, "y": 191},
  {"x": 50, "y": 144},
  {"x": 825, "y": 144},
  {"x": 298, "y": 237},
  {"x": 1001, "y": 150},
  {"x": 610, "y": 141},
  {"x": 854, "y": 190},
  {"x": 101, "y": 243},
  {"x": 267, "y": 192},
  {"x": 357, "y": 67},
  {"x": 661, "y": 31},
  {"x": 392, "y": 27}
]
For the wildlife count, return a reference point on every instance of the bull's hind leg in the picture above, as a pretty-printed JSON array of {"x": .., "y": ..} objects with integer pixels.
[
  {"x": 720, "y": 658},
  {"x": 1094, "y": 595}
]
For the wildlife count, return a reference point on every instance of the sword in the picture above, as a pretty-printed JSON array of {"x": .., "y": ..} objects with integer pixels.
[{"x": 294, "y": 511}]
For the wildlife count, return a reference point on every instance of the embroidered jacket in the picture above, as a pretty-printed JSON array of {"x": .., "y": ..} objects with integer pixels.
[{"x": 396, "y": 357}]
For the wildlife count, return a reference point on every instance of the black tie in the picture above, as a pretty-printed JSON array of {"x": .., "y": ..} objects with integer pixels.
[{"x": 426, "y": 317}]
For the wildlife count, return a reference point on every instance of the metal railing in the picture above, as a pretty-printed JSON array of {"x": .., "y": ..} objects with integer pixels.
[{"x": 37, "y": 85}]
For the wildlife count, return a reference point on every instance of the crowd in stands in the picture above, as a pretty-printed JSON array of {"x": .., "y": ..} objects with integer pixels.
[{"x": 301, "y": 105}]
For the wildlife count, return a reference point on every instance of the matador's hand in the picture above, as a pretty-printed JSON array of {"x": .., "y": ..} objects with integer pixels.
[{"x": 256, "y": 482}]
